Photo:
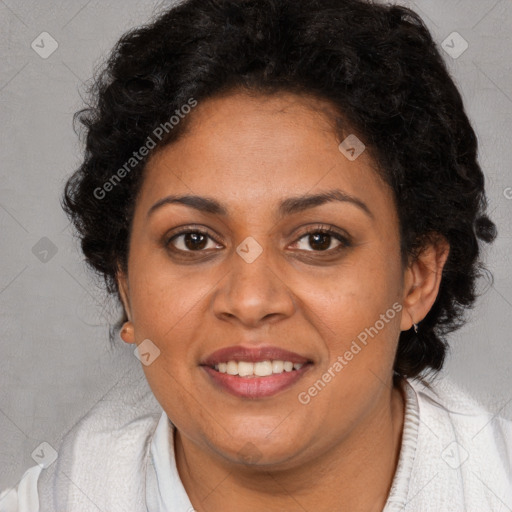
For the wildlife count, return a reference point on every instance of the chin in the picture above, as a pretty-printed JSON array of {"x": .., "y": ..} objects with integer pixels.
[{"x": 258, "y": 448}]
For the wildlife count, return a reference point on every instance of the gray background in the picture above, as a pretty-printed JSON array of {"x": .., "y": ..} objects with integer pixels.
[{"x": 55, "y": 359}]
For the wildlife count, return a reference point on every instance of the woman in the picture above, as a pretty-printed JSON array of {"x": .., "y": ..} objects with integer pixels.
[{"x": 285, "y": 196}]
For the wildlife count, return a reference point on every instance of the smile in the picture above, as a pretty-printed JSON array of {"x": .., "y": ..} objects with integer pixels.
[{"x": 244, "y": 382}]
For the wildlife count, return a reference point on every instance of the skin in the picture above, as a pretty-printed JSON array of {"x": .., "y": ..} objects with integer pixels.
[{"x": 338, "y": 452}]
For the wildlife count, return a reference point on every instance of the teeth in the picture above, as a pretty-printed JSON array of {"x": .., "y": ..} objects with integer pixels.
[
  {"x": 232, "y": 368},
  {"x": 277, "y": 366},
  {"x": 259, "y": 369},
  {"x": 245, "y": 369},
  {"x": 262, "y": 369}
]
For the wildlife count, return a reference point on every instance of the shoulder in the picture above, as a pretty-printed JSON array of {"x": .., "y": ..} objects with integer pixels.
[
  {"x": 464, "y": 451},
  {"x": 109, "y": 441},
  {"x": 24, "y": 497},
  {"x": 445, "y": 401}
]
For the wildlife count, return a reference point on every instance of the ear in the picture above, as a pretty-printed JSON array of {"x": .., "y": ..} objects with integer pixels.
[
  {"x": 422, "y": 280},
  {"x": 127, "y": 334}
]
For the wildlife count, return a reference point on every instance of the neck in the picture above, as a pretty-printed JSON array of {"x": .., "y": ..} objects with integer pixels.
[{"x": 356, "y": 474}]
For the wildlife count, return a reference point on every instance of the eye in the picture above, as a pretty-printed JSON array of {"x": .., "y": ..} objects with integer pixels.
[
  {"x": 321, "y": 239},
  {"x": 192, "y": 241}
]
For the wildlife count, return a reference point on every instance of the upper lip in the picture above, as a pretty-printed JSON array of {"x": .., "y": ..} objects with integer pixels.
[{"x": 253, "y": 354}]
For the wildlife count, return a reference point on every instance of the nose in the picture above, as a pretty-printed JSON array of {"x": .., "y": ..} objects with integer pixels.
[{"x": 253, "y": 293}]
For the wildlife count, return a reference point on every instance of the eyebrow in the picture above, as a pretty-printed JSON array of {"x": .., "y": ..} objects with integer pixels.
[{"x": 288, "y": 206}]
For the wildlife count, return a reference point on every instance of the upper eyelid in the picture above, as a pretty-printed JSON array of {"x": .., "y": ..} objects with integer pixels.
[{"x": 199, "y": 229}]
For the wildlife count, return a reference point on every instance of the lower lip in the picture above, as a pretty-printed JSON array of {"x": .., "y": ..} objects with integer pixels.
[{"x": 256, "y": 387}]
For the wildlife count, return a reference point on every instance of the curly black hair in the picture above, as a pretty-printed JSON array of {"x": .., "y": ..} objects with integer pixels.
[{"x": 376, "y": 64}]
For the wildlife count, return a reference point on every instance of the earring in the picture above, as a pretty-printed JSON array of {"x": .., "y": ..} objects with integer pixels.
[
  {"x": 415, "y": 327},
  {"x": 124, "y": 331}
]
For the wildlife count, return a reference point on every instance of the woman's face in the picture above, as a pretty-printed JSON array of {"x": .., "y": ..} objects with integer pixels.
[{"x": 265, "y": 276}]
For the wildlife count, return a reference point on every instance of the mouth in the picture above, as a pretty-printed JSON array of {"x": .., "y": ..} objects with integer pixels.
[{"x": 254, "y": 372}]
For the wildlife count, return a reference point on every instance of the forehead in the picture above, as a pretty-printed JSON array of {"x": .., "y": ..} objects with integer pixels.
[{"x": 256, "y": 149}]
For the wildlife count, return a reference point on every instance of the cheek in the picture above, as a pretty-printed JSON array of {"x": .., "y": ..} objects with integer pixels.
[
  {"x": 171, "y": 385},
  {"x": 357, "y": 291},
  {"x": 165, "y": 297},
  {"x": 357, "y": 311}
]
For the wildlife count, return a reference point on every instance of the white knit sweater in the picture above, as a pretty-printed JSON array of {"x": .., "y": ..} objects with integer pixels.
[{"x": 455, "y": 457}]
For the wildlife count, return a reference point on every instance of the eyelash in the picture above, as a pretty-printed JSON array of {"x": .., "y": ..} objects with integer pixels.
[{"x": 320, "y": 229}]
